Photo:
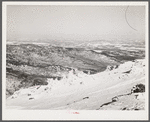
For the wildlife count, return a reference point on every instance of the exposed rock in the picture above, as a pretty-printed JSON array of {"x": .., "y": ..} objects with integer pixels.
[
  {"x": 138, "y": 88},
  {"x": 109, "y": 68},
  {"x": 132, "y": 101}
]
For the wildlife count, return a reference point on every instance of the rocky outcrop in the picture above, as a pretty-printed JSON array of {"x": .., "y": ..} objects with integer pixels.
[
  {"x": 109, "y": 68},
  {"x": 131, "y": 101},
  {"x": 138, "y": 88}
]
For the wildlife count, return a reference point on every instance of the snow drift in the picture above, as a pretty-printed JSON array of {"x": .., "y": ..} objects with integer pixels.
[{"x": 80, "y": 91}]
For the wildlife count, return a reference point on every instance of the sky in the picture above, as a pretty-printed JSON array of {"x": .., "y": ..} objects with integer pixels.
[{"x": 54, "y": 22}]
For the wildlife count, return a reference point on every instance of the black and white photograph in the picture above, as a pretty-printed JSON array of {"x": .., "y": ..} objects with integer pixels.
[{"x": 75, "y": 57}]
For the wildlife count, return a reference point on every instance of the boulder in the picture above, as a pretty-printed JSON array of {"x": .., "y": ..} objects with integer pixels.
[{"x": 138, "y": 88}]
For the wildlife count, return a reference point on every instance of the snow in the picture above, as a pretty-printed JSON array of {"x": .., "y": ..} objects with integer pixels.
[{"x": 80, "y": 91}]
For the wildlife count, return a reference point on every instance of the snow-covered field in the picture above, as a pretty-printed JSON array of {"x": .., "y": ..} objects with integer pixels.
[{"x": 79, "y": 91}]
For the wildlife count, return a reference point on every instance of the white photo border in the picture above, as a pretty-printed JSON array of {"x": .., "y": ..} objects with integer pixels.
[{"x": 65, "y": 114}]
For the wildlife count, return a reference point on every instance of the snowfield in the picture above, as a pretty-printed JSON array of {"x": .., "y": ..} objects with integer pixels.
[{"x": 79, "y": 91}]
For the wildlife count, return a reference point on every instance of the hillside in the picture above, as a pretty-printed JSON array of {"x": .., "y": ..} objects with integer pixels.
[
  {"x": 30, "y": 63},
  {"x": 79, "y": 91}
]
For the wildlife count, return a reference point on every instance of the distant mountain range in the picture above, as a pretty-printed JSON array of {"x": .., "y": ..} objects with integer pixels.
[{"x": 94, "y": 44}]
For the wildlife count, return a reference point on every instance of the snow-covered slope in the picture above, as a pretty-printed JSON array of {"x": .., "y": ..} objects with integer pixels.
[{"x": 80, "y": 91}]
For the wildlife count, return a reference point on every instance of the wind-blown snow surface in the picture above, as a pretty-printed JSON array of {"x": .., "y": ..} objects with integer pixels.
[{"x": 80, "y": 91}]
